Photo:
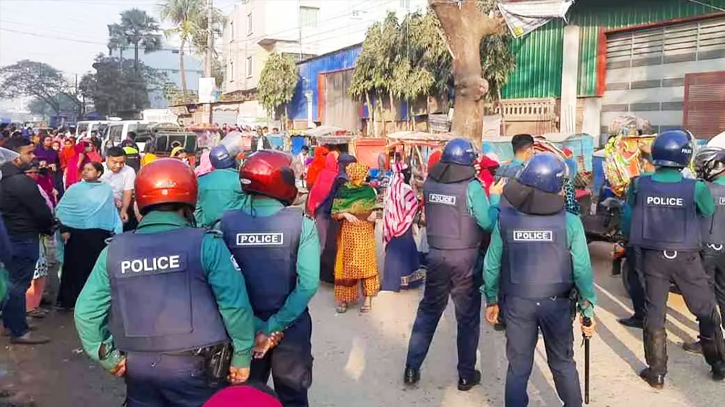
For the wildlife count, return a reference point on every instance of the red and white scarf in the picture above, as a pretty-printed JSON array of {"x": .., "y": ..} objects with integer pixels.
[{"x": 400, "y": 205}]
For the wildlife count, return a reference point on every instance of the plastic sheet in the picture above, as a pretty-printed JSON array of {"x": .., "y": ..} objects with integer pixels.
[{"x": 625, "y": 158}]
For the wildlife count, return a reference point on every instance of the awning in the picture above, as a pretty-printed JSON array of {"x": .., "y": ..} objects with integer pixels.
[{"x": 522, "y": 17}]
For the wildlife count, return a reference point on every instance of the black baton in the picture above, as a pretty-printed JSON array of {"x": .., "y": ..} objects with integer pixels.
[{"x": 587, "y": 322}]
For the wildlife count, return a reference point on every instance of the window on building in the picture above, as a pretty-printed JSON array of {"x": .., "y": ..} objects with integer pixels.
[
  {"x": 250, "y": 67},
  {"x": 231, "y": 71},
  {"x": 231, "y": 31},
  {"x": 308, "y": 16},
  {"x": 250, "y": 24}
]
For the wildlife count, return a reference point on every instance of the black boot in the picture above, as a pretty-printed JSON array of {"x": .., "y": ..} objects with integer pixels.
[
  {"x": 718, "y": 371},
  {"x": 465, "y": 385},
  {"x": 712, "y": 350},
  {"x": 692, "y": 347},
  {"x": 655, "y": 353},
  {"x": 632, "y": 322},
  {"x": 411, "y": 376},
  {"x": 656, "y": 381}
]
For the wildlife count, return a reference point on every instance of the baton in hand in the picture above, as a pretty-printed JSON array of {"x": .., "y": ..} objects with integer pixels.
[{"x": 587, "y": 322}]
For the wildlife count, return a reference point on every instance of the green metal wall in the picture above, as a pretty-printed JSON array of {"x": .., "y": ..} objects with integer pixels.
[
  {"x": 538, "y": 63},
  {"x": 593, "y": 16},
  {"x": 539, "y": 54}
]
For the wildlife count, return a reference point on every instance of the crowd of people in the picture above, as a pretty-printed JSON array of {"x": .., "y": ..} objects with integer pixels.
[{"x": 224, "y": 258}]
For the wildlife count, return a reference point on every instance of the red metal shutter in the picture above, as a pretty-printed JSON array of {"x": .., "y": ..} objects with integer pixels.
[{"x": 704, "y": 109}]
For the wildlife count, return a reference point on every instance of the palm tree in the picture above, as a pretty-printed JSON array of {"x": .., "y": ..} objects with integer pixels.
[
  {"x": 139, "y": 29},
  {"x": 190, "y": 20},
  {"x": 186, "y": 16},
  {"x": 116, "y": 40}
]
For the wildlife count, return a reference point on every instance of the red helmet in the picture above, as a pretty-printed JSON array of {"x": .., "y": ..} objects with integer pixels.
[
  {"x": 270, "y": 173},
  {"x": 165, "y": 180}
]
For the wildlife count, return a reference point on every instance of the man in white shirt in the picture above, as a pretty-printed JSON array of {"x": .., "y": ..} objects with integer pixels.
[{"x": 121, "y": 179}]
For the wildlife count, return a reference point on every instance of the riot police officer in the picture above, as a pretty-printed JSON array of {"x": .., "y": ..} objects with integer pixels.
[
  {"x": 710, "y": 167},
  {"x": 666, "y": 218},
  {"x": 219, "y": 190},
  {"x": 458, "y": 216},
  {"x": 278, "y": 251},
  {"x": 538, "y": 254},
  {"x": 162, "y": 302}
]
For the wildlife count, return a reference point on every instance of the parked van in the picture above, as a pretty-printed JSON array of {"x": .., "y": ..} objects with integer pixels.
[{"x": 89, "y": 126}]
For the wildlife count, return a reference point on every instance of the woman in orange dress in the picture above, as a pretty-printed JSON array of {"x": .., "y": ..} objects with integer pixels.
[{"x": 356, "y": 261}]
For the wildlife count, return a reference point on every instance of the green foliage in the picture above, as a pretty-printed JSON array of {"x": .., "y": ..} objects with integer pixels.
[
  {"x": 115, "y": 87},
  {"x": 175, "y": 96},
  {"x": 411, "y": 58},
  {"x": 37, "y": 80},
  {"x": 64, "y": 103},
  {"x": 136, "y": 28},
  {"x": 278, "y": 81}
]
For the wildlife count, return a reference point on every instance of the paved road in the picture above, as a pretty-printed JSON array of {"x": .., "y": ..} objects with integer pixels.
[{"x": 359, "y": 360}]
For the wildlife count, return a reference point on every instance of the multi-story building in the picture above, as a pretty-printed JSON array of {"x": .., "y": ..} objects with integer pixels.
[
  {"x": 167, "y": 61},
  {"x": 302, "y": 28}
]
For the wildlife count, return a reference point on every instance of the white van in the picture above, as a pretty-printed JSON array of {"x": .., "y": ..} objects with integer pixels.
[{"x": 89, "y": 126}]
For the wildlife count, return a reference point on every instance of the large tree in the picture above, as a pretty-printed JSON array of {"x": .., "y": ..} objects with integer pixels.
[
  {"x": 37, "y": 80},
  {"x": 138, "y": 29},
  {"x": 190, "y": 23},
  {"x": 465, "y": 26},
  {"x": 277, "y": 83},
  {"x": 42, "y": 108},
  {"x": 113, "y": 90}
]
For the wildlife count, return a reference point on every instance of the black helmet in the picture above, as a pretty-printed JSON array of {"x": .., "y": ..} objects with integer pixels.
[
  {"x": 710, "y": 162},
  {"x": 672, "y": 148}
]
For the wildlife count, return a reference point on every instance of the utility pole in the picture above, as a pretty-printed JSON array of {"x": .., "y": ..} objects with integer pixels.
[{"x": 209, "y": 49}]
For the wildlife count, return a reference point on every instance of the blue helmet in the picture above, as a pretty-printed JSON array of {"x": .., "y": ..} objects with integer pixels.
[
  {"x": 220, "y": 158},
  {"x": 672, "y": 149},
  {"x": 545, "y": 172},
  {"x": 459, "y": 151}
]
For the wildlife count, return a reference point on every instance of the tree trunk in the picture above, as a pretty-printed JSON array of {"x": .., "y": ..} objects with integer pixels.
[
  {"x": 381, "y": 106},
  {"x": 393, "y": 111},
  {"x": 286, "y": 113},
  {"x": 135, "y": 58},
  {"x": 464, "y": 28},
  {"x": 183, "y": 71},
  {"x": 371, "y": 115}
]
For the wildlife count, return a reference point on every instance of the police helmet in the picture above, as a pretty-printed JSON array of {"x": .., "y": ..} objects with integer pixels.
[
  {"x": 545, "y": 172},
  {"x": 220, "y": 157},
  {"x": 165, "y": 181},
  {"x": 710, "y": 162},
  {"x": 672, "y": 148},
  {"x": 269, "y": 173},
  {"x": 459, "y": 151}
]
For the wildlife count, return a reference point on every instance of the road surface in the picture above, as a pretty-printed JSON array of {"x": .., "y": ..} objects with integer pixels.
[{"x": 359, "y": 360}]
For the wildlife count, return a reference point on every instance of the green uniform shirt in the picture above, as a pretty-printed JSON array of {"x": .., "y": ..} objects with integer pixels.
[
  {"x": 703, "y": 199},
  {"x": 485, "y": 214},
  {"x": 308, "y": 268},
  {"x": 219, "y": 191},
  {"x": 581, "y": 265},
  {"x": 227, "y": 284}
]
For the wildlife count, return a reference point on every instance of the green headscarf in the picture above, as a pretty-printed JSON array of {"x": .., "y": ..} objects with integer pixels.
[{"x": 355, "y": 197}]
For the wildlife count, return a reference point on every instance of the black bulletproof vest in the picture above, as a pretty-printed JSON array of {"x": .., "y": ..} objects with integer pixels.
[
  {"x": 713, "y": 227},
  {"x": 536, "y": 261},
  {"x": 449, "y": 224},
  {"x": 160, "y": 298},
  {"x": 265, "y": 248},
  {"x": 665, "y": 216}
]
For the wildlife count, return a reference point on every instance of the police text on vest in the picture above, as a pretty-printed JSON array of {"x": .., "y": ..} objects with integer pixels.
[
  {"x": 533, "y": 236},
  {"x": 154, "y": 264},
  {"x": 260, "y": 239},
  {"x": 665, "y": 201},
  {"x": 442, "y": 199}
]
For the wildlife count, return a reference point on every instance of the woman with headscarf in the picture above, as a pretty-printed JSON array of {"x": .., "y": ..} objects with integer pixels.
[
  {"x": 317, "y": 165},
  {"x": 88, "y": 216},
  {"x": 205, "y": 166},
  {"x": 355, "y": 263},
  {"x": 402, "y": 261},
  {"x": 67, "y": 152},
  {"x": 76, "y": 163},
  {"x": 35, "y": 293}
]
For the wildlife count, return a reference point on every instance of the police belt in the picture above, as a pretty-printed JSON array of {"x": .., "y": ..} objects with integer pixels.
[{"x": 203, "y": 352}]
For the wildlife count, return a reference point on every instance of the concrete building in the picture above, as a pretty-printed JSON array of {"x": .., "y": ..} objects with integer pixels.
[
  {"x": 167, "y": 61},
  {"x": 662, "y": 60},
  {"x": 303, "y": 28}
]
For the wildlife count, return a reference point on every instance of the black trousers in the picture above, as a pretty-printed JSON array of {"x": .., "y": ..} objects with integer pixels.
[
  {"x": 713, "y": 260},
  {"x": 450, "y": 273},
  {"x": 290, "y": 364},
  {"x": 684, "y": 269},
  {"x": 635, "y": 280}
]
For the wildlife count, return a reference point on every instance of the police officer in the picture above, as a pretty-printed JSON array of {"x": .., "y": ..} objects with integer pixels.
[
  {"x": 219, "y": 190},
  {"x": 523, "y": 147},
  {"x": 710, "y": 167},
  {"x": 458, "y": 216},
  {"x": 278, "y": 251},
  {"x": 538, "y": 254},
  {"x": 161, "y": 300},
  {"x": 666, "y": 225}
]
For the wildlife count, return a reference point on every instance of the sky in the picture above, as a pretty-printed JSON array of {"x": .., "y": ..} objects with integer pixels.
[{"x": 66, "y": 34}]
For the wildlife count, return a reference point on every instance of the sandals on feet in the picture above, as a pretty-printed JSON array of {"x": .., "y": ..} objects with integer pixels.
[{"x": 341, "y": 308}]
